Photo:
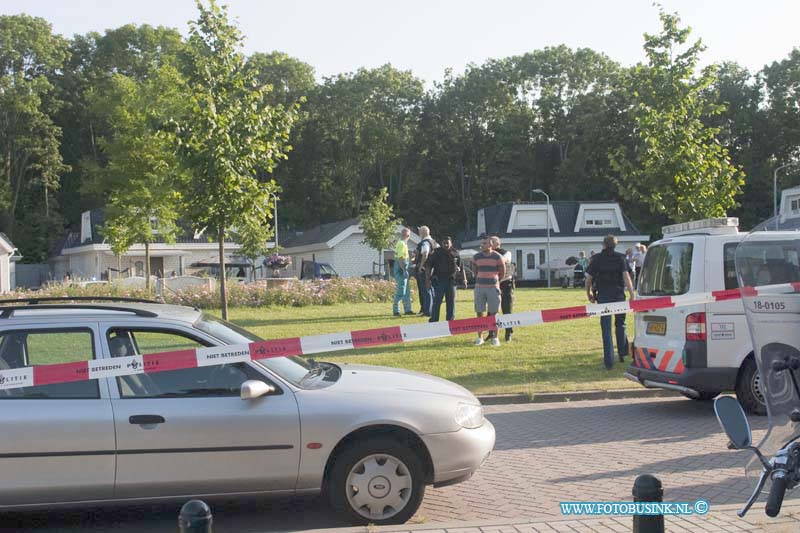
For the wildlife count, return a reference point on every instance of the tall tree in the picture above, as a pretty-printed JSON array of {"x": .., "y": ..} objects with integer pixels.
[
  {"x": 141, "y": 178},
  {"x": 379, "y": 223},
  {"x": 229, "y": 135},
  {"x": 29, "y": 141},
  {"x": 675, "y": 165},
  {"x": 292, "y": 80},
  {"x": 136, "y": 52}
]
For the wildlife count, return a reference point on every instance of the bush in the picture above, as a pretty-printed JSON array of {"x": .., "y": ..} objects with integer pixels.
[{"x": 257, "y": 294}]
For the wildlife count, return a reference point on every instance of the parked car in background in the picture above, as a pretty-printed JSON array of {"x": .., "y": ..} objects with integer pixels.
[
  {"x": 315, "y": 270},
  {"x": 369, "y": 438}
]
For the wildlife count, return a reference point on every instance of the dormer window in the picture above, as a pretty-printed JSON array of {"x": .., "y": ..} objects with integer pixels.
[
  {"x": 795, "y": 205},
  {"x": 531, "y": 217}
]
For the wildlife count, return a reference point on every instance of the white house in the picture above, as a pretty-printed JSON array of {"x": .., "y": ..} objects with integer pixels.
[
  {"x": 8, "y": 259},
  {"x": 338, "y": 244},
  {"x": 574, "y": 227},
  {"x": 86, "y": 254}
]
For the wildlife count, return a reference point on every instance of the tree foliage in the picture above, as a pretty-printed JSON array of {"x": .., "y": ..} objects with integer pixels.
[
  {"x": 379, "y": 223},
  {"x": 546, "y": 118},
  {"x": 676, "y": 164},
  {"x": 30, "y": 161},
  {"x": 142, "y": 178},
  {"x": 230, "y": 133}
]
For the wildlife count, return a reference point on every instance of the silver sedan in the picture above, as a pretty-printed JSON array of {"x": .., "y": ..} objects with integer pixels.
[{"x": 370, "y": 438}]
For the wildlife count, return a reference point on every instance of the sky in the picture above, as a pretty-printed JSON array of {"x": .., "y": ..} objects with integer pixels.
[{"x": 429, "y": 36}]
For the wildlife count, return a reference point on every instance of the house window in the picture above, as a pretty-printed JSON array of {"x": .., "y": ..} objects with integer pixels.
[
  {"x": 139, "y": 268},
  {"x": 795, "y": 205},
  {"x": 542, "y": 258},
  {"x": 530, "y": 261}
]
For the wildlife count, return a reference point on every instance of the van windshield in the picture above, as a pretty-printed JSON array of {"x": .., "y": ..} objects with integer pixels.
[{"x": 667, "y": 270}]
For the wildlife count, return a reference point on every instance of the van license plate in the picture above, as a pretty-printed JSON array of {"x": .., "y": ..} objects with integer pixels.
[{"x": 656, "y": 328}]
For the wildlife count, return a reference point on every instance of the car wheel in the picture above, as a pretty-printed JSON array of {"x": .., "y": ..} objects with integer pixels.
[
  {"x": 378, "y": 481},
  {"x": 749, "y": 390},
  {"x": 704, "y": 396}
]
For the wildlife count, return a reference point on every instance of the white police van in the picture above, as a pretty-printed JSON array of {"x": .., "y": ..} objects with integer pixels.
[{"x": 697, "y": 350}]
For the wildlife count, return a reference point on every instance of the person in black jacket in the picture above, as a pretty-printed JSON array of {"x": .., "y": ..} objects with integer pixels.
[
  {"x": 608, "y": 271},
  {"x": 441, "y": 271},
  {"x": 424, "y": 250}
]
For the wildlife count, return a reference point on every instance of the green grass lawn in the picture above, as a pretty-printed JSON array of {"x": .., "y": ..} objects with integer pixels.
[{"x": 562, "y": 356}]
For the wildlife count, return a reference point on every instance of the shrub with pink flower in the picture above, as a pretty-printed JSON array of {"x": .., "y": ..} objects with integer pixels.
[{"x": 258, "y": 294}]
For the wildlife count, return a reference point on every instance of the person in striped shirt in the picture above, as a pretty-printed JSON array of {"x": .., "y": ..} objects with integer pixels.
[{"x": 489, "y": 270}]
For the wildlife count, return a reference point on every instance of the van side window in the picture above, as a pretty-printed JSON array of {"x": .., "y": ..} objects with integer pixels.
[
  {"x": 729, "y": 265},
  {"x": 34, "y": 347}
]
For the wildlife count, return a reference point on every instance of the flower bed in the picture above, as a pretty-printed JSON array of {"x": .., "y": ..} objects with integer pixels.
[{"x": 258, "y": 294}]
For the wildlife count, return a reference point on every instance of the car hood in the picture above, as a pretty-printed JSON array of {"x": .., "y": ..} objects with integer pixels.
[{"x": 367, "y": 378}]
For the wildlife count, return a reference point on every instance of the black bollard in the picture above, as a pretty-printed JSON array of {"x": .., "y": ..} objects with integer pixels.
[
  {"x": 647, "y": 488},
  {"x": 195, "y": 517}
]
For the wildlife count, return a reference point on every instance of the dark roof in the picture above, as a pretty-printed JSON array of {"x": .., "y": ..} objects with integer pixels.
[
  {"x": 566, "y": 213},
  {"x": 319, "y": 234}
]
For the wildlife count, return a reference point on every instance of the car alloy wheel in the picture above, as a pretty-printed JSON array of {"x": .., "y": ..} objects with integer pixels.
[{"x": 379, "y": 486}]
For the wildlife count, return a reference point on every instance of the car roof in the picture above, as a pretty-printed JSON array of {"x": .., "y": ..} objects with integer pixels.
[{"x": 126, "y": 310}]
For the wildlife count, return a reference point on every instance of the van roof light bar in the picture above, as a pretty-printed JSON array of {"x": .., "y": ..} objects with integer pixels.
[{"x": 716, "y": 225}]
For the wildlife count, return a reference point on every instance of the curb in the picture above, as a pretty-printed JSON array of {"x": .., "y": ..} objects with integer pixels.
[{"x": 575, "y": 396}]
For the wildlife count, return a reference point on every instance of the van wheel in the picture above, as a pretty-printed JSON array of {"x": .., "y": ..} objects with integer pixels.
[
  {"x": 704, "y": 396},
  {"x": 378, "y": 481},
  {"x": 749, "y": 390}
]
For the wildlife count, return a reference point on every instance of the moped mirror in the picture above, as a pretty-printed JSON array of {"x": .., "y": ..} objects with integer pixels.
[
  {"x": 733, "y": 421},
  {"x": 253, "y": 388}
]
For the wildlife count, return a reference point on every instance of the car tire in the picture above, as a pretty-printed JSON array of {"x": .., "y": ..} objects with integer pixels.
[
  {"x": 704, "y": 396},
  {"x": 392, "y": 463},
  {"x": 747, "y": 388}
]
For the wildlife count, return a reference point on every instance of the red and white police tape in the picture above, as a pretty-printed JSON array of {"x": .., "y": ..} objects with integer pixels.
[{"x": 216, "y": 355}]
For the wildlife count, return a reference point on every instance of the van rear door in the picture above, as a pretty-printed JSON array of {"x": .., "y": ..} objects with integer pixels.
[{"x": 667, "y": 271}]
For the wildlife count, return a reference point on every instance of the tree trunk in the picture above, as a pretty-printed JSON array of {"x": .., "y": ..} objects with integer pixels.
[
  {"x": 119, "y": 267},
  {"x": 147, "y": 266},
  {"x": 223, "y": 294}
]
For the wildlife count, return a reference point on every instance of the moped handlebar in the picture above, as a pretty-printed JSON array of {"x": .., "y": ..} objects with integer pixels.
[{"x": 776, "y": 493}]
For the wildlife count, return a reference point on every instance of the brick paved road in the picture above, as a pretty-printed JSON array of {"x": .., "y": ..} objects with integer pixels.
[{"x": 545, "y": 453}]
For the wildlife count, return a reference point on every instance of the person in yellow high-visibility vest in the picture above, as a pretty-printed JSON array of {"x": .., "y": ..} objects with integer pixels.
[{"x": 400, "y": 274}]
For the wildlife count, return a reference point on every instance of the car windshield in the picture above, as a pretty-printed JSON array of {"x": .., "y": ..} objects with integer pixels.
[
  {"x": 293, "y": 369},
  {"x": 667, "y": 270}
]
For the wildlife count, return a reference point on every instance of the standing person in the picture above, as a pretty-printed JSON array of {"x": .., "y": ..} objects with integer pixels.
[
  {"x": 609, "y": 271},
  {"x": 401, "y": 275},
  {"x": 441, "y": 271},
  {"x": 424, "y": 249},
  {"x": 506, "y": 283},
  {"x": 489, "y": 270},
  {"x": 638, "y": 261},
  {"x": 583, "y": 261}
]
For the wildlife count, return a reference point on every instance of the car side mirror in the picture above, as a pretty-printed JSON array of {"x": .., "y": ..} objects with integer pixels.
[
  {"x": 253, "y": 388},
  {"x": 733, "y": 421}
]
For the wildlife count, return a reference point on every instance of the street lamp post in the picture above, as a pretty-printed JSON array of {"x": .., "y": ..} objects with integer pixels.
[
  {"x": 275, "y": 197},
  {"x": 775, "y": 192},
  {"x": 547, "y": 218}
]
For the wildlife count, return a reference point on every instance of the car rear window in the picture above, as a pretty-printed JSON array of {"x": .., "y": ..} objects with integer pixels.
[{"x": 667, "y": 269}]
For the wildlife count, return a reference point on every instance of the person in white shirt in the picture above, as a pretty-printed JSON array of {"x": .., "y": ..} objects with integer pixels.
[{"x": 638, "y": 261}]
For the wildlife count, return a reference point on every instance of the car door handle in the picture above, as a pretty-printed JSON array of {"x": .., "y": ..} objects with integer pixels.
[{"x": 144, "y": 420}]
